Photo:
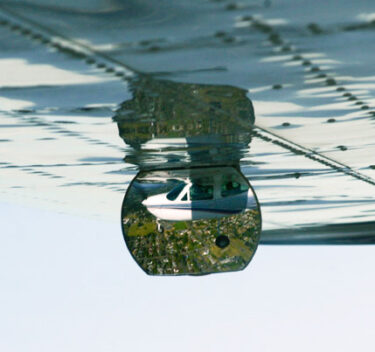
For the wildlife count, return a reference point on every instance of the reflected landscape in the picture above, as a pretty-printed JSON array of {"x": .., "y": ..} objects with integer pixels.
[
  {"x": 191, "y": 221},
  {"x": 171, "y": 124},
  {"x": 189, "y": 210}
]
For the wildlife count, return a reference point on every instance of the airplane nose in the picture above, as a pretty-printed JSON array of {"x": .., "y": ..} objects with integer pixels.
[{"x": 152, "y": 200}]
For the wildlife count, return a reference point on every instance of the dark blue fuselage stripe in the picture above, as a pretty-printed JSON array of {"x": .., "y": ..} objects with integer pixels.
[{"x": 224, "y": 211}]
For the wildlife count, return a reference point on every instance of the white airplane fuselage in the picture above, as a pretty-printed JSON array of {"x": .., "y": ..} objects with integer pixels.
[{"x": 186, "y": 210}]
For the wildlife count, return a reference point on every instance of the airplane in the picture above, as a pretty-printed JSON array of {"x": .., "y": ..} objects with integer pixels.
[
  {"x": 217, "y": 196},
  {"x": 183, "y": 208}
]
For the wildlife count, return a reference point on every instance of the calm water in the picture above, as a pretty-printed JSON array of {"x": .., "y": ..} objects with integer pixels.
[{"x": 92, "y": 92}]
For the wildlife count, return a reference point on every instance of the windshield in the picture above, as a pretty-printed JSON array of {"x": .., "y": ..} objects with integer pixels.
[{"x": 173, "y": 194}]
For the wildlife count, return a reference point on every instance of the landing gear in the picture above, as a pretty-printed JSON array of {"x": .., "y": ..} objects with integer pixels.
[{"x": 160, "y": 227}]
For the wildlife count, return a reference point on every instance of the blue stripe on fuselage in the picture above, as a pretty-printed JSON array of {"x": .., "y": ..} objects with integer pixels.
[{"x": 179, "y": 207}]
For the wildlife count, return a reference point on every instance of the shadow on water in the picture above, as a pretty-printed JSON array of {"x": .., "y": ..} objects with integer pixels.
[{"x": 189, "y": 210}]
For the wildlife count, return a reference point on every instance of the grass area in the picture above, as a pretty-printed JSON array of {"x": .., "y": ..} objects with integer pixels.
[
  {"x": 141, "y": 230},
  {"x": 236, "y": 249},
  {"x": 181, "y": 225}
]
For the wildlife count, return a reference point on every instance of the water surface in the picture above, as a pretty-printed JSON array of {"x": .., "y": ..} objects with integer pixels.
[{"x": 309, "y": 77}]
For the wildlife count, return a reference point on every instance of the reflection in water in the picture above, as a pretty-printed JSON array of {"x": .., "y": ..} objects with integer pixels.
[
  {"x": 185, "y": 124},
  {"x": 191, "y": 221},
  {"x": 189, "y": 210}
]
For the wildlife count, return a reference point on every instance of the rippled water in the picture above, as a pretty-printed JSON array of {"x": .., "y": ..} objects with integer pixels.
[{"x": 72, "y": 72}]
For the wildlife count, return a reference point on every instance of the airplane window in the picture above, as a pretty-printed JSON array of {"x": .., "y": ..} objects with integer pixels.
[
  {"x": 200, "y": 192},
  {"x": 173, "y": 194},
  {"x": 231, "y": 188}
]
